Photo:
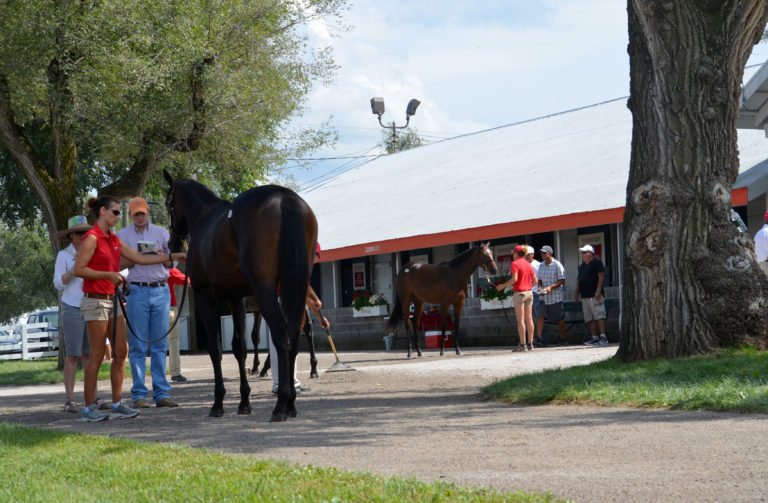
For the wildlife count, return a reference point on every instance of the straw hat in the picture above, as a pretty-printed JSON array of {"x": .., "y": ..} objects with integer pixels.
[{"x": 78, "y": 223}]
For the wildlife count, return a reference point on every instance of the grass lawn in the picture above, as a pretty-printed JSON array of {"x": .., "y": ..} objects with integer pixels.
[
  {"x": 44, "y": 465},
  {"x": 729, "y": 380},
  {"x": 42, "y": 371}
]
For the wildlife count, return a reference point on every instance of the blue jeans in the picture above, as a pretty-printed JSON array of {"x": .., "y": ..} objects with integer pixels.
[{"x": 148, "y": 310}]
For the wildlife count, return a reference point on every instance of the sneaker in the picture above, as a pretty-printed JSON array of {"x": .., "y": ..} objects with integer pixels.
[
  {"x": 102, "y": 404},
  {"x": 141, "y": 403},
  {"x": 166, "y": 402},
  {"x": 530, "y": 347},
  {"x": 71, "y": 406},
  {"x": 522, "y": 348},
  {"x": 603, "y": 341},
  {"x": 299, "y": 390},
  {"x": 593, "y": 342},
  {"x": 122, "y": 411},
  {"x": 92, "y": 414},
  {"x": 179, "y": 378}
]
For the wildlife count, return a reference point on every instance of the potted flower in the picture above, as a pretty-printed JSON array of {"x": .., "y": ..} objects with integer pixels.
[
  {"x": 367, "y": 304},
  {"x": 490, "y": 298}
]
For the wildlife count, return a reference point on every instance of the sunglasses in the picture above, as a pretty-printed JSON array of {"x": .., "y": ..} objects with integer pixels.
[{"x": 115, "y": 212}]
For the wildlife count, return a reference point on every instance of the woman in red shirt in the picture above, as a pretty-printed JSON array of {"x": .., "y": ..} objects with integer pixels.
[
  {"x": 522, "y": 281},
  {"x": 98, "y": 263}
]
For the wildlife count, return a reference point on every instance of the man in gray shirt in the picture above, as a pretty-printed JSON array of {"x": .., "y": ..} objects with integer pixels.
[{"x": 148, "y": 308}]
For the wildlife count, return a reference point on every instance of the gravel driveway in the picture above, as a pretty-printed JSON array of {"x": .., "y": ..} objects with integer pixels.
[{"x": 425, "y": 418}]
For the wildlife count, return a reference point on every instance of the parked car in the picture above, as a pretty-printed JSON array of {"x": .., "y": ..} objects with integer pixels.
[{"x": 49, "y": 316}]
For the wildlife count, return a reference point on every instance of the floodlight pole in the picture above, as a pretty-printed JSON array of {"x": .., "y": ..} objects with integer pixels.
[{"x": 377, "y": 107}]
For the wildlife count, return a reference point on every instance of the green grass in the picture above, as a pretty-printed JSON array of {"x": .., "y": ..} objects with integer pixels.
[
  {"x": 42, "y": 371},
  {"x": 730, "y": 380},
  {"x": 42, "y": 465}
]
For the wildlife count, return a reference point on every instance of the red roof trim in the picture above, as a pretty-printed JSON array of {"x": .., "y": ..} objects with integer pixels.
[
  {"x": 561, "y": 222},
  {"x": 739, "y": 197}
]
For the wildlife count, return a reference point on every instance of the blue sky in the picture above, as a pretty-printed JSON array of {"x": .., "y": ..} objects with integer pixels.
[{"x": 473, "y": 65}]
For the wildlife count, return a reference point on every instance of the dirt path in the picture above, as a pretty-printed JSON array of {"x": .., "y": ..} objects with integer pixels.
[{"x": 424, "y": 418}]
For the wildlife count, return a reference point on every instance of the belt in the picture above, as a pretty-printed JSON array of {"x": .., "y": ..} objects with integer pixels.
[
  {"x": 102, "y": 296},
  {"x": 151, "y": 284}
]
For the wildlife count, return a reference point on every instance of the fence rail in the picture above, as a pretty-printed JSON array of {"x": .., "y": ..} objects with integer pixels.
[{"x": 32, "y": 341}]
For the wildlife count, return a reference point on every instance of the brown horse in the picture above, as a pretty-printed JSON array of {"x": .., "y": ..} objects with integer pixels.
[
  {"x": 444, "y": 284},
  {"x": 260, "y": 243}
]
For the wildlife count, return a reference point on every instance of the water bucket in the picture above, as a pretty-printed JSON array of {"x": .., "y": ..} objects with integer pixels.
[{"x": 389, "y": 342}]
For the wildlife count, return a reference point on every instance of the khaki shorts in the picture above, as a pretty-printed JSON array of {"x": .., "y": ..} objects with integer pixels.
[
  {"x": 593, "y": 310},
  {"x": 523, "y": 298},
  {"x": 96, "y": 309}
]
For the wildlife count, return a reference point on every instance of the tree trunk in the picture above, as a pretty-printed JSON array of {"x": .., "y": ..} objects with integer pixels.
[{"x": 692, "y": 282}]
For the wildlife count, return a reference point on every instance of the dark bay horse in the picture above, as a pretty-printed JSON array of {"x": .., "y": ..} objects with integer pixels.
[
  {"x": 260, "y": 244},
  {"x": 444, "y": 284}
]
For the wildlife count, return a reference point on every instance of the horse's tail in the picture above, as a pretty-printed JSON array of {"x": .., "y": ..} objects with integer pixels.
[
  {"x": 397, "y": 314},
  {"x": 293, "y": 270}
]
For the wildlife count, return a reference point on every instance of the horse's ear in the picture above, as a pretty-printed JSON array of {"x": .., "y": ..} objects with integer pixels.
[
  {"x": 487, "y": 244},
  {"x": 168, "y": 177}
]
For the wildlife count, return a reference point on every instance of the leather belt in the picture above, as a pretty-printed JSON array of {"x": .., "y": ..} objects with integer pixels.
[
  {"x": 151, "y": 284},
  {"x": 102, "y": 296}
]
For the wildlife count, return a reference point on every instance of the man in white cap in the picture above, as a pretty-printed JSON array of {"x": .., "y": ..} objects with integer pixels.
[
  {"x": 761, "y": 245},
  {"x": 589, "y": 287}
]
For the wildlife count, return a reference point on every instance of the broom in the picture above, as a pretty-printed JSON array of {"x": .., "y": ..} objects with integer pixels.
[{"x": 339, "y": 366}]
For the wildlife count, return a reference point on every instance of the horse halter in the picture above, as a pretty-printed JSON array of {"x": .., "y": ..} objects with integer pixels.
[
  {"x": 486, "y": 252},
  {"x": 170, "y": 207}
]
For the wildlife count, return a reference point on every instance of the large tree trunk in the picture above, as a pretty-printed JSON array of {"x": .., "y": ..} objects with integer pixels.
[{"x": 692, "y": 282}]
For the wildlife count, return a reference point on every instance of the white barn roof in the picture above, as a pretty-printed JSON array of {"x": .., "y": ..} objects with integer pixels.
[{"x": 561, "y": 171}]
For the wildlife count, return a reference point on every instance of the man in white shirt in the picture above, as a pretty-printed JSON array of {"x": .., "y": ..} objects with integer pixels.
[{"x": 761, "y": 244}]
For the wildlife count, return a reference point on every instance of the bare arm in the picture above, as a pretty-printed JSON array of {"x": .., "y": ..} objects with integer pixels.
[
  {"x": 134, "y": 256},
  {"x": 510, "y": 281},
  {"x": 600, "y": 279},
  {"x": 315, "y": 305}
]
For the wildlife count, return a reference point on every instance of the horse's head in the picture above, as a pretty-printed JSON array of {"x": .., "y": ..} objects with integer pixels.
[
  {"x": 486, "y": 259},
  {"x": 179, "y": 228}
]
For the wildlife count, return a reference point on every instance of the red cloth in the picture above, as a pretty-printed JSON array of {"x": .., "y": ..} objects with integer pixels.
[
  {"x": 431, "y": 321},
  {"x": 105, "y": 258},
  {"x": 525, "y": 275},
  {"x": 175, "y": 277}
]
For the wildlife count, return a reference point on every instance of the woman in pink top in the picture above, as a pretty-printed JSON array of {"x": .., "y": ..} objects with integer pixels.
[{"x": 522, "y": 280}]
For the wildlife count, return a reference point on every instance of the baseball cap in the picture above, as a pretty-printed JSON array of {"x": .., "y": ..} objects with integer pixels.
[
  {"x": 529, "y": 250},
  {"x": 520, "y": 249},
  {"x": 587, "y": 248},
  {"x": 765, "y": 217},
  {"x": 317, "y": 249},
  {"x": 547, "y": 249},
  {"x": 138, "y": 205}
]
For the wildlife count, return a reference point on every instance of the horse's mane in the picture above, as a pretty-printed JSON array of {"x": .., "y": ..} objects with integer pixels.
[
  {"x": 202, "y": 194},
  {"x": 462, "y": 257}
]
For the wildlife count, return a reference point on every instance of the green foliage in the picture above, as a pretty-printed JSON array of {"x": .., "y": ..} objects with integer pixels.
[
  {"x": 26, "y": 269},
  {"x": 364, "y": 298},
  {"x": 43, "y": 371},
  {"x": 732, "y": 380},
  {"x": 205, "y": 87},
  {"x": 402, "y": 140},
  {"x": 490, "y": 293}
]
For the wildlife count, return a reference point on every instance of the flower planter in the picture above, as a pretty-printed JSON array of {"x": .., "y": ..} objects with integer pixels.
[
  {"x": 370, "y": 311},
  {"x": 486, "y": 305}
]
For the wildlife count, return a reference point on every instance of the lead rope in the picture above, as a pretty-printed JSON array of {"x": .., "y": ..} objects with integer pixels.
[{"x": 120, "y": 298}]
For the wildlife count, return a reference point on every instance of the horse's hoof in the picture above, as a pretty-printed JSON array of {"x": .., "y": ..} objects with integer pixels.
[
  {"x": 244, "y": 410},
  {"x": 458, "y": 352},
  {"x": 441, "y": 353},
  {"x": 292, "y": 412},
  {"x": 313, "y": 375},
  {"x": 278, "y": 418},
  {"x": 216, "y": 412},
  {"x": 420, "y": 355}
]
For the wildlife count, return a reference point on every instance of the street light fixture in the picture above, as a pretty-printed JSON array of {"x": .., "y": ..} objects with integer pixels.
[{"x": 377, "y": 108}]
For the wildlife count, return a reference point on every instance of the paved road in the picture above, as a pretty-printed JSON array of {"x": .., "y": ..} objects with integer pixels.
[{"x": 425, "y": 418}]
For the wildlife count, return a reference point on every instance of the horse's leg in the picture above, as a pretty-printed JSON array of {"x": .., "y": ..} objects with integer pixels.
[
  {"x": 443, "y": 319},
  {"x": 309, "y": 334},
  {"x": 266, "y": 367},
  {"x": 418, "y": 307},
  {"x": 255, "y": 339},
  {"x": 407, "y": 320},
  {"x": 207, "y": 322},
  {"x": 240, "y": 350},
  {"x": 273, "y": 315},
  {"x": 457, "y": 307}
]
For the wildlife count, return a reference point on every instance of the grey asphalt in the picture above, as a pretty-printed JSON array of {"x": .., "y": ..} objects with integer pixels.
[{"x": 426, "y": 418}]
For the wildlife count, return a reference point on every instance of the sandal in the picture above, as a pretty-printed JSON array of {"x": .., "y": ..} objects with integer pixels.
[{"x": 71, "y": 406}]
